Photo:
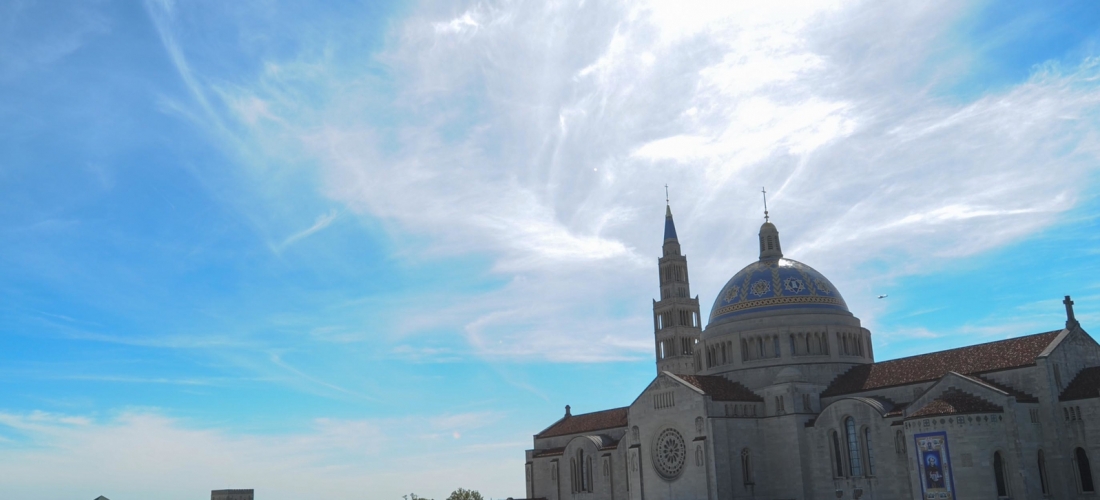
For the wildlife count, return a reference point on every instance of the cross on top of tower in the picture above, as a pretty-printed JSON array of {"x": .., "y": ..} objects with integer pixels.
[
  {"x": 762, "y": 190},
  {"x": 666, "y": 194}
]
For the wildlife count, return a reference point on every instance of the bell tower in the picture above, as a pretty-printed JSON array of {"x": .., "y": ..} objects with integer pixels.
[{"x": 677, "y": 326}]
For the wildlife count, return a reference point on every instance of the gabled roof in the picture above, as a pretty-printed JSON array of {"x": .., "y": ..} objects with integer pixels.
[
  {"x": 955, "y": 402},
  {"x": 586, "y": 422},
  {"x": 1085, "y": 385},
  {"x": 981, "y": 358},
  {"x": 721, "y": 388}
]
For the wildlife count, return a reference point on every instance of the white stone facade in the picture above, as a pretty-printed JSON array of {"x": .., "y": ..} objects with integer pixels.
[{"x": 779, "y": 397}]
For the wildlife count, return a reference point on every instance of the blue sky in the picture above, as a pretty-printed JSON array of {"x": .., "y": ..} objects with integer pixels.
[{"x": 330, "y": 249}]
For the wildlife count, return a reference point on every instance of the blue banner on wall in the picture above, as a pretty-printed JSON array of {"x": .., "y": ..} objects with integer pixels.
[{"x": 934, "y": 462}]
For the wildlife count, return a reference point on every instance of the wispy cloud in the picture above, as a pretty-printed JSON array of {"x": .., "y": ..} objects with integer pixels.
[
  {"x": 158, "y": 456},
  {"x": 277, "y": 360},
  {"x": 541, "y": 136},
  {"x": 323, "y": 221}
]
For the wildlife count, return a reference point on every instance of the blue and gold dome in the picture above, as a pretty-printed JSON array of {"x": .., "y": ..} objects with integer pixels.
[{"x": 775, "y": 284}]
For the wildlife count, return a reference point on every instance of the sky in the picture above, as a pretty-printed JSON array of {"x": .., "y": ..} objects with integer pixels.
[{"x": 361, "y": 250}]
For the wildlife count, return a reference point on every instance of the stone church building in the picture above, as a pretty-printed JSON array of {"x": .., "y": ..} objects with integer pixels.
[{"x": 778, "y": 396}]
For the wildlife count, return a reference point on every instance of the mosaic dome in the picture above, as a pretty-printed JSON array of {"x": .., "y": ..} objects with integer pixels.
[{"x": 775, "y": 285}]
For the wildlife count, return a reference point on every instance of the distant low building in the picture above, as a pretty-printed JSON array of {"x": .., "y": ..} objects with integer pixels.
[{"x": 230, "y": 495}]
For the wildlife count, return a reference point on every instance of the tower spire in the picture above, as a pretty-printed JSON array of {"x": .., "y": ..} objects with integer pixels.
[
  {"x": 670, "y": 227},
  {"x": 676, "y": 320}
]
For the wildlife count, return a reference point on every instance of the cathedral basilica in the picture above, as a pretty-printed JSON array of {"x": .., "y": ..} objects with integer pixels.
[{"x": 778, "y": 396}]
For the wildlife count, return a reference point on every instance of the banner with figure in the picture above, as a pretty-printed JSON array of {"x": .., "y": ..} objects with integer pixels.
[{"x": 934, "y": 463}]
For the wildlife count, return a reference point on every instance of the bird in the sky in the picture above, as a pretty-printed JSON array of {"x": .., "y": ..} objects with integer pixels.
[{"x": 883, "y": 296}]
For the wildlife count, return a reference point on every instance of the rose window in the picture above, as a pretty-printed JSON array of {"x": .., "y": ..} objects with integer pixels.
[{"x": 668, "y": 453}]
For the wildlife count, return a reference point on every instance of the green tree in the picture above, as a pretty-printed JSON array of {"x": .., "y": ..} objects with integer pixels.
[{"x": 464, "y": 494}]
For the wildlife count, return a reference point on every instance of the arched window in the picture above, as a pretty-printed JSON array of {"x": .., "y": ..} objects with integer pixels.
[
  {"x": 775, "y": 341},
  {"x": 855, "y": 460},
  {"x": 999, "y": 474},
  {"x": 1084, "y": 471},
  {"x": 870, "y": 451},
  {"x": 587, "y": 475},
  {"x": 837, "y": 461},
  {"x": 1043, "y": 473},
  {"x": 573, "y": 479},
  {"x": 746, "y": 467},
  {"x": 580, "y": 473}
]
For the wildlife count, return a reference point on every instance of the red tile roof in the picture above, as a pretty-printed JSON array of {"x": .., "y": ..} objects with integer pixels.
[
  {"x": 586, "y": 422},
  {"x": 721, "y": 388},
  {"x": 1085, "y": 385},
  {"x": 981, "y": 358},
  {"x": 955, "y": 402}
]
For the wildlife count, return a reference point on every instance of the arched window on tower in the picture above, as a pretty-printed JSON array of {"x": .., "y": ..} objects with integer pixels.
[
  {"x": 1084, "y": 471},
  {"x": 775, "y": 345},
  {"x": 855, "y": 460},
  {"x": 999, "y": 474}
]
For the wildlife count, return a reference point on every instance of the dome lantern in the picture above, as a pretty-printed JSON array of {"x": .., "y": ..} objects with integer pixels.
[{"x": 769, "y": 242}]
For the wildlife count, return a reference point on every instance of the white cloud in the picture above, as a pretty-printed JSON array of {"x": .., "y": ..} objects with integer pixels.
[
  {"x": 542, "y": 134},
  {"x": 149, "y": 455},
  {"x": 320, "y": 223}
]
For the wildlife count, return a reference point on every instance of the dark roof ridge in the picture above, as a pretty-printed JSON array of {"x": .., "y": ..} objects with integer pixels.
[
  {"x": 1085, "y": 385},
  {"x": 954, "y": 401},
  {"x": 1021, "y": 396},
  {"x": 720, "y": 388}
]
